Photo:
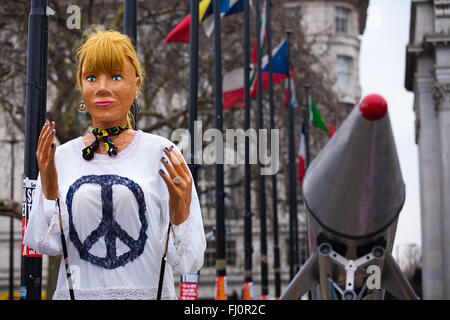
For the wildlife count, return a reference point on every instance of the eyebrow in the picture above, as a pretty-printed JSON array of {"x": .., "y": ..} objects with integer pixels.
[{"x": 91, "y": 72}]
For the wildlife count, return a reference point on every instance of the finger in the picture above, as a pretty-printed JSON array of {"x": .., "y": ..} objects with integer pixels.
[
  {"x": 183, "y": 164},
  {"x": 42, "y": 137},
  {"x": 52, "y": 150},
  {"x": 48, "y": 127},
  {"x": 170, "y": 170},
  {"x": 176, "y": 163},
  {"x": 42, "y": 133},
  {"x": 166, "y": 178},
  {"x": 47, "y": 142}
]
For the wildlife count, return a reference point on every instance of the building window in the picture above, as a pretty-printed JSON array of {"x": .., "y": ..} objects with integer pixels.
[
  {"x": 342, "y": 20},
  {"x": 343, "y": 70},
  {"x": 210, "y": 253},
  {"x": 292, "y": 12}
]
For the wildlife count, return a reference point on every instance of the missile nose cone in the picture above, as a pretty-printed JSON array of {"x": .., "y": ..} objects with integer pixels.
[
  {"x": 354, "y": 187},
  {"x": 373, "y": 107}
]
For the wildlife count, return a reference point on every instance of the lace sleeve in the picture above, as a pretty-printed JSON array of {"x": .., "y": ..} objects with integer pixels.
[
  {"x": 187, "y": 241},
  {"x": 42, "y": 232}
]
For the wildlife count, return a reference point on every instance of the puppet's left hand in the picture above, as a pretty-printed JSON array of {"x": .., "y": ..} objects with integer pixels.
[{"x": 179, "y": 194}]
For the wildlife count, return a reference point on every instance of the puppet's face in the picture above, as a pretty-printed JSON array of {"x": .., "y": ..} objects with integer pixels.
[{"x": 108, "y": 97}]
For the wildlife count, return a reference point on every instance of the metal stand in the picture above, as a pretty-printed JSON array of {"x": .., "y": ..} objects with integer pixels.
[{"x": 317, "y": 270}]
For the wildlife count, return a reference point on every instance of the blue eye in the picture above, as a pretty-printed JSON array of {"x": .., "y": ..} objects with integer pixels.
[
  {"x": 91, "y": 79},
  {"x": 117, "y": 78}
]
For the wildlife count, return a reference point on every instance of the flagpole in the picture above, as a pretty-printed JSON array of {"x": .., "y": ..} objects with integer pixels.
[
  {"x": 192, "y": 117},
  {"x": 292, "y": 174},
  {"x": 130, "y": 29},
  {"x": 248, "y": 248},
  {"x": 221, "y": 261},
  {"x": 130, "y": 20},
  {"x": 36, "y": 105},
  {"x": 306, "y": 110},
  {"x": 276, "y": 246},
  {"x": 193, "y": 86},
  {"x": 262, "y": 193}
]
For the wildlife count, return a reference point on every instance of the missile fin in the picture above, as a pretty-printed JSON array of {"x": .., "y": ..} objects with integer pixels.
[
  {"x": 305, "y": 279},
  {"x": 394, "y": 281}
]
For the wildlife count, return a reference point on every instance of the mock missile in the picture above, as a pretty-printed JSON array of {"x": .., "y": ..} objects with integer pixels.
[{"x": 353, "y": 192}]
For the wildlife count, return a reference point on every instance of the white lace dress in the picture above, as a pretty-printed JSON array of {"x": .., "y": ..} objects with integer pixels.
[{"x": 115, "y": 218}]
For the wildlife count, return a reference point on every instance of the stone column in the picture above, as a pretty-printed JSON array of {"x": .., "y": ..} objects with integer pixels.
[
  {"x": 430, "y": 177},
  {"x": 441, "y": 95}
]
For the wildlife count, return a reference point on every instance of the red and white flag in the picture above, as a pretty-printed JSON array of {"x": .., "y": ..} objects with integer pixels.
[{"x": 233, "y": 88}]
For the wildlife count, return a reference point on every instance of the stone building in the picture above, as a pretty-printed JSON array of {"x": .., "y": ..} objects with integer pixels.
[
  {"x": 335, "y": 28},
  {"x": 428, "y": 76}
]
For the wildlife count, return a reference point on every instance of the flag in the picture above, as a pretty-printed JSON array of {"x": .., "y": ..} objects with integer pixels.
[
  {"x": 279, "y": 68},
  {"x": 316, "y": 117},
  {"x": 181, "y": 33},
  {"x": 227, "y": 8},
  {"x": 301, "y": 157},
  {"x": 262, "y": 36},
  {"x": 293, "y": 100},
  {"x": 233, "y": 88}
]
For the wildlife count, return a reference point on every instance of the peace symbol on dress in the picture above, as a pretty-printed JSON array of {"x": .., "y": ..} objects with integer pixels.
[{"x": 108, "y": 227}]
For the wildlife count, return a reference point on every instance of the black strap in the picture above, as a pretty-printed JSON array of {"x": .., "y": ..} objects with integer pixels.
[{"x": 163, "y": 265}]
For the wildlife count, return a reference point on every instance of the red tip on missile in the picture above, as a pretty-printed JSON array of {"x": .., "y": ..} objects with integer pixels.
[{"x": 373, "y": 107}]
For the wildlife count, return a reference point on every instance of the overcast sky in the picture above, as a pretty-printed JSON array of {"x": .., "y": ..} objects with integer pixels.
[{"x": 382, "y": 71}]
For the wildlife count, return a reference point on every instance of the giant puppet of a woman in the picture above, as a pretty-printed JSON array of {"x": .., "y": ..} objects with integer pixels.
[{"x": 119, "y": 191}]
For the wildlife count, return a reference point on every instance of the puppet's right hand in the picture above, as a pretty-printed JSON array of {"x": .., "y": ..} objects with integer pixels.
[{"x": 45, "y": 155}]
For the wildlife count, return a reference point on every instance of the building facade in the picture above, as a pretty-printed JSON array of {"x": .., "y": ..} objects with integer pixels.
[
  {"x": 334, "y": 27},
  {"x": 428, "y": 76}
]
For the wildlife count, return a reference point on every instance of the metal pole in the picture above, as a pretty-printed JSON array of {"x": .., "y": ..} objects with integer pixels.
[
  {"x": 248, "y": 248},
  {"x": 292, "y": 176},
  {"x": 36, "y": 99},
  {"x": 193, "y": 84},
  {"x": 276, "y": 245},
  {"x": 221, "y": 261},
  {"x": 130, "y": 20},
  {"x": 12, "y": 142},
  {"x": 130, "y": 29},
  {"x": 262, "y": 193},
  {"x": 193, "y": 102},
  {"x": 306, "y": 111}
]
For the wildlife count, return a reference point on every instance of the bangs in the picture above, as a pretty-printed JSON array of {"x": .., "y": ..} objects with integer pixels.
[{"x": 102, "y": 56}]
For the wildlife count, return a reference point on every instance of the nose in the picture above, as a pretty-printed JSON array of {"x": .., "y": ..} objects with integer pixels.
[{"x": 103, "y": 85}]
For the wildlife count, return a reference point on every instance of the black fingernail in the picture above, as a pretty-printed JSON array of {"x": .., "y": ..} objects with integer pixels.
[
  {"x": 164, "y": 160},
  {"x": 51, "y": 147},
  {"x": 168, "y": 150},
  {"x": 162, "y": 171},
  {"x": 172, "y": 146}
]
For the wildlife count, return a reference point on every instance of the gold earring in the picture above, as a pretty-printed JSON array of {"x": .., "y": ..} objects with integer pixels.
[{"x": 82, "y": 106}]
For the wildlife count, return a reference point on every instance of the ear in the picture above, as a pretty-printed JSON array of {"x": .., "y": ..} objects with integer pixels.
[{"x": 138, "y": 85}]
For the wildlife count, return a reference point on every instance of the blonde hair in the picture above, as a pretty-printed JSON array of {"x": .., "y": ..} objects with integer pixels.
[{"x": 103, "y": 51}]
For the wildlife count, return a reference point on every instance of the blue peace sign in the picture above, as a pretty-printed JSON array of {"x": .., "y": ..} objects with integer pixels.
[{"x": 108, "y": 227}]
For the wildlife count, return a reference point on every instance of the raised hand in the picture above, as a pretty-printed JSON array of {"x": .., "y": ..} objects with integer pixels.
[
  {"x": 179, "y": 183},
  {"x": 45, "y": 155}
]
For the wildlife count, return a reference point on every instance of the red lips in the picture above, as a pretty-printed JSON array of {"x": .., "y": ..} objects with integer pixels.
[{"x": 103, "y": 103}]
